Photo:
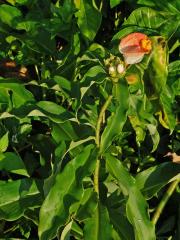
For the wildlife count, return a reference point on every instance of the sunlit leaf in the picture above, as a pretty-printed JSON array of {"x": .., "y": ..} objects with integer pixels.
[
  {"x": 12, "y": 163},
  {"x": 4, "y": 141},
  {"x": 99, "y": 225},
  {"x": 89, "y": 19},
  {"x": 118, "y": 118},
  {"x": 17, "y": 196}
]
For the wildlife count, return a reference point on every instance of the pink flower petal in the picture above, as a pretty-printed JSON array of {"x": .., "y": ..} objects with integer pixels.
[
  {"x": 134, "y": 46},
  {"x": 132, "y": 39},
  {"x": 133, "y": 58}
]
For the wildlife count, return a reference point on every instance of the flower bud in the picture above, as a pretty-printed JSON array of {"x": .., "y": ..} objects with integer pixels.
[
  {"x": 120, "y": 68},
  {"x": 112, "y": 70}
]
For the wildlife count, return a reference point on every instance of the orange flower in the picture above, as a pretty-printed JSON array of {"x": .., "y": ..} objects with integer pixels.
[{"x": 134, "y": 46}]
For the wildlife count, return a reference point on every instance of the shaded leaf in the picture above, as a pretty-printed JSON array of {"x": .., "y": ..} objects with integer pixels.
[
  {"x": 122, "y": 225},
  {"x": 151, "y": 180},
  {"x": 54, "y": 213},
  {"x": 136, "y": 204}
]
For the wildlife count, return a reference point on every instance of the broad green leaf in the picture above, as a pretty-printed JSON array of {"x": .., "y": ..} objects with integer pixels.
[
  {"x": 154, "y": 135},
  {"x": 9, "y": 15},
  {"x": 118, "y": 118},
  {"x": 99, "y": 225},
  {"x": 114, "y": 3},
  {"x": 63, "y": 83},
  {"x": 54, "y": 213},
  {"x": 149, "y": 21},
  {"x": 87, "y": 206},
  {"x": 158, "y": 68},
  {"x": 136, "y": 209},
  {"x": 20, "y": 95},
  {"x": 63, "y": 132},
  {"x": 121, "y": 224},
  {"x": 4, "y": 141},
  {"x": 88, "y": 19},
  {"x": 173, "y": 69},
  {"x": 119, "y": 172},
  {"x": 174, "y": 78},
  {"x": 12, "y": 163},
  {"x": 142, "y": 119},
  {"x": 136, "y": 204},
  {"x": 54, "y": 111},
  {"x": 151, "y": 180},
  {"x": 17, "y": 196},
  {"x": 95, "y": 75},
  {"x": 170, "y": 6}
]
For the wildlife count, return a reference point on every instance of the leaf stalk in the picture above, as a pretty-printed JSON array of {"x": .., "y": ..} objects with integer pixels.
[{"x": 164, "y": 200}]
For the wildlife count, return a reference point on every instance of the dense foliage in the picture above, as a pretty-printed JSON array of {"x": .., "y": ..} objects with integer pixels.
[{"x": 88, "y": 144}]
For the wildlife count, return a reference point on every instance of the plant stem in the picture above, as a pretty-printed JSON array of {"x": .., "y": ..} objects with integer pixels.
[
  {"x": 164, "y": 200},
  {"x": 96, "y": 177},
  {"x": 100, "y": 120},
  {"x": 97, "y": 140}
]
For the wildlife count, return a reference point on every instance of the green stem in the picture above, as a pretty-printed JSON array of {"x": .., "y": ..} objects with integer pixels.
[
  {"x": 97, "y": 139},
  {"x": 96, "y": 177},
  {"x": 164, "y": 200},
  {"x": 100, "y": 120}
]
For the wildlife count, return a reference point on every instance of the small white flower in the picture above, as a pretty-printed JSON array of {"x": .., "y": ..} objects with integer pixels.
[
  {"x": 120, "y": 68},
  {"x": 112, "y": 70}
]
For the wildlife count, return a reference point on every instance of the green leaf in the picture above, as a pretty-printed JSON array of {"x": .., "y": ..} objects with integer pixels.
[
  {"x": 9, "y": 15},
  {"x": 172, "y": 6},
  {"x": 149, "y": 21},
  {"x": 99, "y": 225},
  {"x": 96, "y": 74},
  {"x": 88, "y": 19},
  {"x": 17, "y": 196},
  {"x": 121, "y": 224},
  {"x": 119, "y": 172},
  {"x": 114, "y": 3},
  {"x": 151, "y": 180},
  {"x": 136, "y": 210},
  {"x": 158, "y": 69},
  {"x": 4, "y": 141},
  {"x": 166, "y": 101},
  {"x": 154, "y": 135},
  {"x": 65, "y": 235},
  {"x": 118, "y": 118},
  {"x": 54, "y": 213},
  {"x": 173, "y": 69},
  {"x": 63, "y": 132},
  {"x": 87, "y": 206},
  {"x": 12, "y": 163},
  {"x": 136, "y": 205},
  {"x": 20, "y": 95}
]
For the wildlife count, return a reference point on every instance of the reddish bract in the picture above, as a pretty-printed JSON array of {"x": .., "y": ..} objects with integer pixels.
[{"x": 134, "y": 46}]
